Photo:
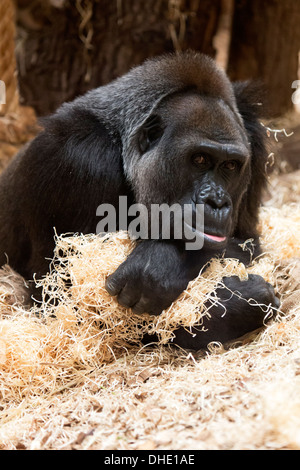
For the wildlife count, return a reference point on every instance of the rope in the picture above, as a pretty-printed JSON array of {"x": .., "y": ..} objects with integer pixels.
[{"x": 7, "y": 56}]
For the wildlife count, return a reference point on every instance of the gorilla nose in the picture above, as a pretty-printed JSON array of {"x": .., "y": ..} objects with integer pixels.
[
  {"x": 217, "y": 202},
  {"x": 217, "y": 212}
]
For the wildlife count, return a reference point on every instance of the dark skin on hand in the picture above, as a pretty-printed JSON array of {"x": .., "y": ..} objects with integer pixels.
[{"x": 174, "y": 130}]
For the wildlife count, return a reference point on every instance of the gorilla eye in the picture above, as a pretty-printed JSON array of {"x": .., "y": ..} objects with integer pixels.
[
  {"x": 201, "y": 159},
  {"x": 230, "y": 165}
]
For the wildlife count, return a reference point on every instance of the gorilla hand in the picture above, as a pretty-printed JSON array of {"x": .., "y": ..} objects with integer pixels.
[
  {"x": 236, "y": 313},
  {"x": 151, "y": 278}
]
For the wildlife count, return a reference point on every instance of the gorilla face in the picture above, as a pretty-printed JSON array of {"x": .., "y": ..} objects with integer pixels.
[{"x": 194, "y": 150}]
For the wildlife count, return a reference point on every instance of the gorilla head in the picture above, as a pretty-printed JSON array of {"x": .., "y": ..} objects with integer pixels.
[{"x": 202, "y": 144}]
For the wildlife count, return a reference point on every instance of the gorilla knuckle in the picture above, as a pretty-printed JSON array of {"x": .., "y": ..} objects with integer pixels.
[
  {"x": 115, "y": 282},
  {"x": 111, "y": 287}
]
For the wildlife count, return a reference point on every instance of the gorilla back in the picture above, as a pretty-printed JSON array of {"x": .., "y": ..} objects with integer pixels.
[{"x": 171, "y": 130}]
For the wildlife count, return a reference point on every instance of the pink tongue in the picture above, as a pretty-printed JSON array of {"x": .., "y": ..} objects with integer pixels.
[{"x": 216, "y": 239}]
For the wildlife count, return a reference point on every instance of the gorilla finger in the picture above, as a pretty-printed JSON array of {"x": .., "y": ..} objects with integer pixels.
[
  {"x": 141, "y": 306},
  {"x": 128, "y": 296},
  {"x": 114, "y": 283},
  {"x": 145, "y": 305}
]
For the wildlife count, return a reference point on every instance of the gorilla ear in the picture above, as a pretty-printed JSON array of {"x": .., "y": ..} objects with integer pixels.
[
  {"x": 250, "y": 98},
  {"x": 151, "y": 133}
]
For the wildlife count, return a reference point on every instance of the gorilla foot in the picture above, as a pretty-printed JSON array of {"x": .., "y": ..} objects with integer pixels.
[{"x": 242, "y": 307}]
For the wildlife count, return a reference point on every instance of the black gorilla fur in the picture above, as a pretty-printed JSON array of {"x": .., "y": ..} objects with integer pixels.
[{"x": 172, "y": 130}]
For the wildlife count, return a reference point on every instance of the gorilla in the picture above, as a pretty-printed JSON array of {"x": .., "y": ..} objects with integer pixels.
[{"x": 173, "y": 130}]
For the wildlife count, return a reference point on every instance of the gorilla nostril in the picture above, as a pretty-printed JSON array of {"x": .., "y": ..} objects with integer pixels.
[{"x": 212, "y": 204}]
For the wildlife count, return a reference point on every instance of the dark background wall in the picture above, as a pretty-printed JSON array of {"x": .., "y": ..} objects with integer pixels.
[{"x": 65, "y": 47}]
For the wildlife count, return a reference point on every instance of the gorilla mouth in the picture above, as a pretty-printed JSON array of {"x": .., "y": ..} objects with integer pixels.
[
  {"x": 215, "y": 238},
  {"x": 210, "y": 240}
]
